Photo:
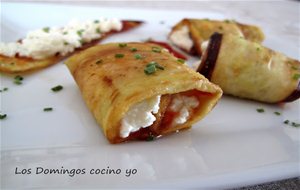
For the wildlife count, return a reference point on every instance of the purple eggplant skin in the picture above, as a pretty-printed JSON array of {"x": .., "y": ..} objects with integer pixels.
[{"x": 209, "y": 59}]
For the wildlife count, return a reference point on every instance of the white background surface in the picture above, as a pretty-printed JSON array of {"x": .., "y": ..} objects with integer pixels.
[{"x": 233, "y": 146}]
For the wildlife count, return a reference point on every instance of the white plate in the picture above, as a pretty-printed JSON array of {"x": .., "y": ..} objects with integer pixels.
[{"x": 233, "y": 146}]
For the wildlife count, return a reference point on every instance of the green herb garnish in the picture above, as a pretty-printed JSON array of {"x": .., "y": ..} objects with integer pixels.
[
  {"x": 4, "y": 89},
  {"x": 150, "y": 138},
  {"x": 96, "y": 21},
  {"x": 286, "y": 122},
  {"x": 152, "y": 67},
  {"x": 3, "y": 116},
  {"x": 260, "y": 110},
  {"x": 156, "y": 49},
  {"x": 182, "y": 61},
  {"x": 65, "y": 33},
  {"x": 119, "y": 55},
  {"x": 220, "y": 27},
  {"x": 295, "y": 124},
  {"x": 48, "y": 109},
  {"x": 98, "y": 30},
  {"x": 18, "y": 79},
  {"x": 79, "y": 32},
  {"x": 294, "y": 68},
  {"x": 257, "y": 49},
  {"x": 81, "y": 41},
  {"x": 138, "y": 56},
  {"x": 66, "y": 43},
  {"x": 57, "y": 88},
  {"x": 296, "y": 76},
  {"x": 133, "y": 49},
  {"x": 277, "y": 113},
  {"x": 46, "y": 29},
  {"x": 99, "y": 61},
  {"x": 121, "y": 45}
]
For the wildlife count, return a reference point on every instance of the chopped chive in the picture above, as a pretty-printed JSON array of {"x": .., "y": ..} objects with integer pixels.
[
  {"x": 119, "y": 55},
  {"x": 99, "y": 61},
  {"x": 156, "y": 49},
  {"x": 258, "y": 49},
  {"x": 98, "y": 30},
  {"x": 277, "y": 113},
  {"x": 227, "y": 21},
  {"x": 96, "y": 21},
  {"x": 3, "y": 116},
  {"x": 296, "y": 76},
  {"x": 79, "y": 32},
  {"x": 65, "y": 33},
  {"x": 48, "y": 109},
  {"x": 260, "y": 110},
  {"x": 81, "y": 41},
  {"x": 220, "y": 27},
  {"x": 182, "y": 61},
  {"x": 138, "y": 56},
  {"x": 133, "y": 49},
  {"x": 46, "y": 29},
  {"x": 66, "y": 43},
  {"x": 4, "y": 89},
  {"x": 121, "y": 45},
  {"x": 18, "y": 77},
  {"x": 57, "y": 88},
  {"x": 295, "y": 124},
  {"x": 151, "y": 68},
  {"x": 206, "y": 19},
  {"x": 286, "y": 122},
  {"x": 150, "y": 138},
  {"x": 18, "y": 80},
  {"x": 294, "y": 68}
]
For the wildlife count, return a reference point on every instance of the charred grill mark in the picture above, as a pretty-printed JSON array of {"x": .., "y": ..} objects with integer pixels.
[{"x": 210, "y": 57}]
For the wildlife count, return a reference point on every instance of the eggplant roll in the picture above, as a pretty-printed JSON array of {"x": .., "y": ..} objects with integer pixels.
[
  {"x": 248, "y": 70},
  {"x": 189, "y": 34},
  {"x": 140, "y": 90}
]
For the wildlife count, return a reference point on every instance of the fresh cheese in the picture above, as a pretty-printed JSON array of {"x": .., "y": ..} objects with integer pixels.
[
  {"x": 183, "y": 105},
  {"x": 47, "y": 42},
  {"x": 140, "y": 115},
  {"x": 181, "y": 38}
]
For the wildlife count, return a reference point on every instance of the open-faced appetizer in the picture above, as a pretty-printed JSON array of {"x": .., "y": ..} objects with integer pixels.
[
  {"x": 47, "y": 46},
  {"x": 189, "y": 34},
  {"x": 140, "y": 90},
  {"x": 249, "y": 70}
]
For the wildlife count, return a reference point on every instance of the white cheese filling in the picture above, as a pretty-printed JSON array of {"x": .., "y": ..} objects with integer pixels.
[
  {"x": 47, "y": 42},
  {"x": 183, "y": 105},
  {"x": 181, "y": 38},
  {"x": 139, "y": 116}
]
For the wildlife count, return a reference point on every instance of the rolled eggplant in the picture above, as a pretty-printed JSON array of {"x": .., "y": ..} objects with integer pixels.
[
  {"x": 248, "y": 70},
  {"x": 189, "y": 34},
  {"x": 140, "y": 90}
]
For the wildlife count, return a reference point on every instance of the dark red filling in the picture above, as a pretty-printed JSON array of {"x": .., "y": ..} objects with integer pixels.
[{"x": 210, "y": 56}]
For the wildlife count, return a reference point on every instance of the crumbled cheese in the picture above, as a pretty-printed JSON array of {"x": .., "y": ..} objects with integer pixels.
[
  {"x": 40, "y": 44},
  {"x": 183, "y": 105},
  {"x": 182, "y": 39},
  {"x": 139, "y": 116},
  {"x": 204, "y": 45}
]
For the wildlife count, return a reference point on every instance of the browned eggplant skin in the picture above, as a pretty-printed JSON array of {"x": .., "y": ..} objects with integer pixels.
[
  {"x": 210, "y": 56},
  {"x": 209, "y": 61},
  {"x": 293, "y": 96}
]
